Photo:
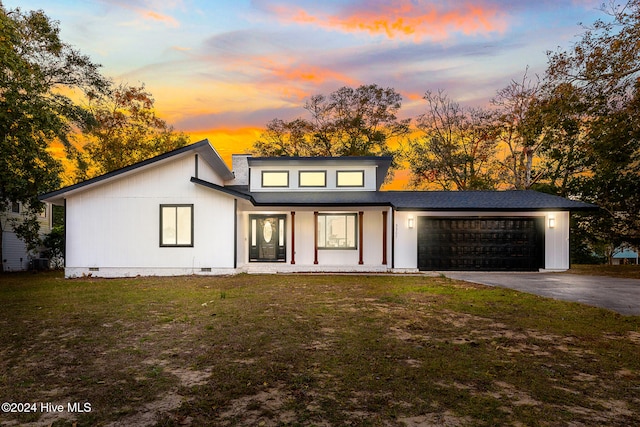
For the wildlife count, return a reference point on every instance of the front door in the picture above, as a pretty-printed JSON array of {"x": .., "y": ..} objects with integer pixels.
[{"x": 267, "y": 238}]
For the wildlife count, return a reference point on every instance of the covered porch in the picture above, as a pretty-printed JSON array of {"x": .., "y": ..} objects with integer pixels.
[{"x": 314, "y": 239}]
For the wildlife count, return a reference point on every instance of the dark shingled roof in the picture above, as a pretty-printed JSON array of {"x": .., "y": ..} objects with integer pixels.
[{"x": 515, "y": 200}]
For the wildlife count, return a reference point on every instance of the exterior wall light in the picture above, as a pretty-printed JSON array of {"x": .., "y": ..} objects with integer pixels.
[
  {"x": 410, "y": 221},
  {"x": 552, "y": 222}
]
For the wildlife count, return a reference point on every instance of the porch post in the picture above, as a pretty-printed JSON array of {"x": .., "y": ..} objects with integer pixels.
[
  {"x": 361, "y": 229},
  {"x": 315, "y": 237},
  {"x": 235, "y": 227},
  {"x": 393, "y": 238},
  {"x": 293, "y": 237},
  {"x": 384, "y": 237}
]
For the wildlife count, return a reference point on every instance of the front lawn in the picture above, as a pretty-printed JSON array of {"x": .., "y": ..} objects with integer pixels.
[{"x": 309, "y": 350}]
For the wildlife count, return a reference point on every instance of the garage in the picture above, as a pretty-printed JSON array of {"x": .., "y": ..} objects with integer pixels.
[{"x": 480, "y": 243}]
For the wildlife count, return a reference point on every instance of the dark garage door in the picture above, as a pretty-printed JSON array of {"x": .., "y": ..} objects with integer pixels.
[{"x": 490, "y": 244}]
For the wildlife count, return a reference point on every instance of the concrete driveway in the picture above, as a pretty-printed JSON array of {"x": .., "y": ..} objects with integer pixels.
[{"x": 620, "y": 295}]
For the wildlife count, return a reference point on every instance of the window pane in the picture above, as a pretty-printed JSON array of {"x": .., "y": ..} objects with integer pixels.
[
  {"x": 169, "y": 225},
  {"x": 184, "y": 225},
  {"x": 350, "y": 179},
  {"x": 253, "y": 232},
  {"x": 275, "y": 179},
  {"x": 351, "y": 231},
  {"x": 313, "y": 179},
  {"x": 337, "y": 231},
  {"x": 281, "y": 232}
]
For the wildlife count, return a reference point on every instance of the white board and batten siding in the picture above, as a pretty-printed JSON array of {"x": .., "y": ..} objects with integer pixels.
[{"x": 113, "y": 230}]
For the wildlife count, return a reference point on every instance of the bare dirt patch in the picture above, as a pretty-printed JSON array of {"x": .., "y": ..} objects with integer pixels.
[{"x": 265, "y": 408}]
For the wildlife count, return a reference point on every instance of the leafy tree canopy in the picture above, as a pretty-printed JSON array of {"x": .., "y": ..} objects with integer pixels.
[
  {"x": 602, "y": 71},
  {"x": 127, "y": 131},
  {"x": 457, "y": 148},
  {"x": 35, "y": 64}
]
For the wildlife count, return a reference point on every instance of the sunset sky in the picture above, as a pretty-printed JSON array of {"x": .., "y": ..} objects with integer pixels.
[{"x": 223, "y": 69}]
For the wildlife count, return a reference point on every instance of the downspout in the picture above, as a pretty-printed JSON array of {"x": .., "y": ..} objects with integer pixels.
[
  {"x": 293, "y": 237},
  {"x": 66, "y": 234}
]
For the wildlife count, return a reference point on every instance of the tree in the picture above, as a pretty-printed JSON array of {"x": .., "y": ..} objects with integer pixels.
[
  {"x": 560, "y": 116},
  {"x": 519, "y": 133},
  {"x": 602, "y": 69},
  {"x": 348, "y": 122},
  {"x": 55, "y": 244},
  {"x": 35, "y": 64},
  {"x": 287, "y": 139},
  {"x": 127, "y": 131},
  {"x": 457, "y": 150},
  {"x": 357, "y": 122}
]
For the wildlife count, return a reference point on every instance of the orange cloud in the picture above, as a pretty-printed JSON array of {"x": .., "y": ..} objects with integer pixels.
[
  {"x": 306, "y": 74},
  {"x": 283, "y": 74},
  {"x": 414, "y": 96},
  {"x": 403, "y": 19},
  {"x": 155, "y": 16},
  {"x": 148, "y": 12}
]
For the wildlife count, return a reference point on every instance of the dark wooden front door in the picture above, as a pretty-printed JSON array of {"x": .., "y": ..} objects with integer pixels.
[{"x": 267, "y": 238}]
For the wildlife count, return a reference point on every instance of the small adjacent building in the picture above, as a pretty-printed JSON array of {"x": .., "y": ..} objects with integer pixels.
[
  {"x": 624, "y": 255},
  {"x": 186, "y": 212},
  {"x": 15, "y": 256}
]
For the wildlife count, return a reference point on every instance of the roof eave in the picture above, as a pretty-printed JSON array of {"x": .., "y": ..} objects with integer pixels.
[
  {"x": 222, "y": 189},
  {"x": 323, "y": 204},
  {"x": 213, "y": 158},
  {"x": 203, "y": 147}
]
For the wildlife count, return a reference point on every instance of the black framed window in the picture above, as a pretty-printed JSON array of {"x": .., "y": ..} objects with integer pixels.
[
  {"x": 275, "y": 179},
  {"x": 337, "y": 231},
  {"x": 350, "y": 178},
  {"x": 176, "y": 225},
  {"x": 312, "y": 178}
]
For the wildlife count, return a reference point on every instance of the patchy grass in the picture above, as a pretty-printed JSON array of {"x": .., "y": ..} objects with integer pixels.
[
  {"x": 311, "y": 350},
  {"x": 628, "y": 271}
]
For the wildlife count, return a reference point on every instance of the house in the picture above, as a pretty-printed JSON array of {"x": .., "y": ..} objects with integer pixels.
[
  {"x": 186, "y": 212},
  {"x": 624, "y": 255},
  {"x": 15, "y": 256}
]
